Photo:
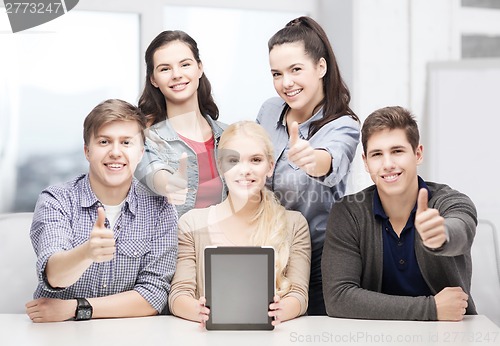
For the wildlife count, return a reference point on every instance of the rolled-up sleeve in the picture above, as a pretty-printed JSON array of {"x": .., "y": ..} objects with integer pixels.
[
  {"x": 50, "y": 232},
  {"x": 340, "y": 138},
  {"x": 158, "y": 266},
  {"x": 151, "y": 162}
]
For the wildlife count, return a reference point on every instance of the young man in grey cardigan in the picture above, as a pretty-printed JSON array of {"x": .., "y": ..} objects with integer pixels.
[{"x": 400, "y": 249}]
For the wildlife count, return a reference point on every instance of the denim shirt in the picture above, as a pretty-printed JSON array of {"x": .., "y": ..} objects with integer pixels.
[
  {"x": 296, "y": 190},
  {"x": 163, "y": 150}
]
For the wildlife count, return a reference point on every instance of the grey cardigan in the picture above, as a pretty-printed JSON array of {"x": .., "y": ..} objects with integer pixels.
[{"x": 353, "y": 258}]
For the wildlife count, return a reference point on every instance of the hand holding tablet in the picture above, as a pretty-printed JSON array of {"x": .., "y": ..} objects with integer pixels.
[{"x": 204, "y": 311}]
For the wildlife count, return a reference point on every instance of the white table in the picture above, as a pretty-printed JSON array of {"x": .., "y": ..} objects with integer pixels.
[{"x": 17, "y": 329}]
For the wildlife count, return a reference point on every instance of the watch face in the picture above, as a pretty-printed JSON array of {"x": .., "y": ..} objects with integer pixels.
[{"x": 84, "y": 313}]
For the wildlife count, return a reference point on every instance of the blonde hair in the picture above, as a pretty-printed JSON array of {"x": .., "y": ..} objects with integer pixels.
[{"x": 272, "y": 228}]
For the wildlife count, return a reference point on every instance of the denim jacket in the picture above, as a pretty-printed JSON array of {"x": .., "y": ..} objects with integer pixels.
[{"x": 163, "y": 150}]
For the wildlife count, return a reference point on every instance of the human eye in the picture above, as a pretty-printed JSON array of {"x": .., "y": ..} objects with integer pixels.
[
  {"x": 296, "y": 69},
  {"x": 257, "y": 159},
  {"x": 127, "y": 142},
  {"x": 164, "y": 68},
  {"x": 230, "y": 159},
  {"x": 233, "y": 160},
  {"x": 103, "y": 141},
  {"x": 275, "y": 74}
]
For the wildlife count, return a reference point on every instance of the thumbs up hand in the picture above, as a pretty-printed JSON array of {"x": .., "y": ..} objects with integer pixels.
[
  {"x": 300, "y": 151},
  {"x": 101, "y": 244},
  {"x": 177, "y": 183},
  {"x": 428, "y": 222}
]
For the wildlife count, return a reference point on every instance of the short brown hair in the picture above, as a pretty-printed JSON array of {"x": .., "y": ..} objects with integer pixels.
[
  {"x": 390, "y": 118},
  {"x": 109, "y": 111}
]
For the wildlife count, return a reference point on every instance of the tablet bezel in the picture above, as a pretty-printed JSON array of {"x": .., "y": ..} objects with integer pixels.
[{"x": 236, "y": 250}]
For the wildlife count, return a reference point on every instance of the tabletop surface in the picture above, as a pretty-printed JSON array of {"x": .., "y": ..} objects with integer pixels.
[{"x": 17, "y": 329}]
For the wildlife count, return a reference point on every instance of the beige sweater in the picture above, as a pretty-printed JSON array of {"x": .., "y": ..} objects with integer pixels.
[{"x": 195, "y": 233}]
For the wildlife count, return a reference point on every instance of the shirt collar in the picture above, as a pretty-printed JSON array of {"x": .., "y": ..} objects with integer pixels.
[
  {"x": 303, "y": 127},
  {"x": 378, "y": 209},
  {"x": 89, "y": 199},
  {"x": 166, "y": 131}
]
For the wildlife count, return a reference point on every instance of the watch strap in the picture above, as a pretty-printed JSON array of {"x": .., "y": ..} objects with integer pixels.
[{"x": 83, "y": 309}]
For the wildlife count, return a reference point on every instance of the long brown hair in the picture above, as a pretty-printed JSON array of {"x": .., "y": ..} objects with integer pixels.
[
  {"x": 152, "y": 102},
  {"x": 311, "y": 34}
]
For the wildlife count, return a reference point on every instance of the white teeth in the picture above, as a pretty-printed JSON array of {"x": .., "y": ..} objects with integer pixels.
[
  {"x": 179, "y": 86},
  {"x": 390, "y": 177},
  {"x": 293, "y": 93},
  {"x": 115, "y": 165}
]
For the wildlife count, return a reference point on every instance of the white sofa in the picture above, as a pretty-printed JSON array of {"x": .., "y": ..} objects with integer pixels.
[{"x": 18, "y": 278}]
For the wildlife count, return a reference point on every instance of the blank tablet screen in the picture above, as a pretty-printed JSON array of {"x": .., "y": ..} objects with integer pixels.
[{"x": 239, "y": 287}]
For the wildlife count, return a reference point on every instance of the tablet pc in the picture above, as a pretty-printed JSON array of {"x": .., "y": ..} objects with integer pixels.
[{"x": 239, "y": 286}]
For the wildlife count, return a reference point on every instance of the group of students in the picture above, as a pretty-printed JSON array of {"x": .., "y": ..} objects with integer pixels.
[{"x": 111, "y": 244}]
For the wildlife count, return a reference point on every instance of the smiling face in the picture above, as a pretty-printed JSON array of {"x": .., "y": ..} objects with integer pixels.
[
  {"x": 245, "y": 165},
  {"x": 392, "y": 163},
  {"x": 176, "y": 73},
  {"x": 113, "y": 154},
  {"x": 297, "y": 78}
]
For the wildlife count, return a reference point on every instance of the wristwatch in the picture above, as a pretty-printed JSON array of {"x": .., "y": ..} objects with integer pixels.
[{"x": 83, "y": 310}]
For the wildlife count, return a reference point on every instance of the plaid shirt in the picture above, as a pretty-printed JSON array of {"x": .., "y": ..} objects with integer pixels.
[{"x": 145, "y": 238}]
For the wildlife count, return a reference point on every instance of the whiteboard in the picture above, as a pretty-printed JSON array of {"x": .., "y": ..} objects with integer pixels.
[{"x": 461, "y": 131}]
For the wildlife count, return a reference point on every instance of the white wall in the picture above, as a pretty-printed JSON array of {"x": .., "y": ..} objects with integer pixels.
[
  {"x": 382, "y": 46},
  {"x": 151, "y": 11}
]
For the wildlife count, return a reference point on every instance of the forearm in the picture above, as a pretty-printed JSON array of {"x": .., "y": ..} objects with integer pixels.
[
  {"x": 460, "y": 217},
  {"x": 186, "y": 307},
  {"x": 291, "y": 310},
  {"x": 460, "y": 237},
  {"x": 299, "y": 263},
  {"x": 355, "y": 302},
  {"x": 66, "y": 267},
  {"x": 160, "y": 181},
  {"x": 125, "y": 304},
  {"x": 323, "y": 163}
]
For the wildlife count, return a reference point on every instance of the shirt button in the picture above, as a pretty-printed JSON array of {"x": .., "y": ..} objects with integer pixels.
[
  {"x": 400, "y": 243},
  {"x": 401, "y": 261},
  {"x": 104, "y": 286},
  {"x": 135, "y": 253},
  {"x": 117, "y": 228}
]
